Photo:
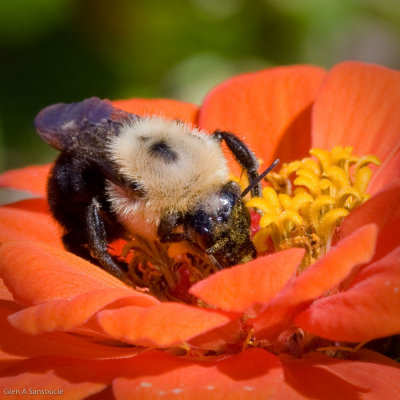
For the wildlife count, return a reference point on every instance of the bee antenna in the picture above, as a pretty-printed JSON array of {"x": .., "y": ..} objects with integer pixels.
[{"x": 259, "y": 178}]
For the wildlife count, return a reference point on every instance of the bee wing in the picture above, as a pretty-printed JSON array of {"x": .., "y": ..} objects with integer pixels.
[
  {"x": 79, "y": 126},
  {"x": 84, "y": 129}
]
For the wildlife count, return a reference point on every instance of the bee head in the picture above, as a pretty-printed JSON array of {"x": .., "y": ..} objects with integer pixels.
[{"x": 221, "y": 227}]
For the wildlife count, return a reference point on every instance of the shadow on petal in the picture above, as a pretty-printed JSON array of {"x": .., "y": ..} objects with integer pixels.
[
  {"x": 254, "y": 373},
  {"x": 295, "y": 142},
  {"x": 321, "y": 377}
]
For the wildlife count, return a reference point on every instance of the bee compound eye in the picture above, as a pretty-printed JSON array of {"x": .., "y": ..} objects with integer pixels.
[{"x": 201, "y": 228}]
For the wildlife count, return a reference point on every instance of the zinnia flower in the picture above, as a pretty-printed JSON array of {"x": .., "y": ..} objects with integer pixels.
[{"x": 267, "y": 331}]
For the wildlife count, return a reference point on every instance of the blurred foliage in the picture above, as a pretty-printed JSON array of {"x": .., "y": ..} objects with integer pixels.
[{"x": 67, "y": 50}]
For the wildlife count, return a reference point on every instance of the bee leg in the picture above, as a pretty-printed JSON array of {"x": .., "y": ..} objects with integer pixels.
[
  {"x": 97, "y": 241},
  {"x": 244, "y": 156},
  {"x": 168, "y": 224},
  {"x": 74, "y": 242}
]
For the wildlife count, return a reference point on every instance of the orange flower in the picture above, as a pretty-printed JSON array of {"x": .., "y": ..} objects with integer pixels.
[{"x": 67, "y": 326}]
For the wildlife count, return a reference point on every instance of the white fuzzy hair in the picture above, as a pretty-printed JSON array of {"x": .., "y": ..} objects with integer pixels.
[{"x": 199, "y": 170}]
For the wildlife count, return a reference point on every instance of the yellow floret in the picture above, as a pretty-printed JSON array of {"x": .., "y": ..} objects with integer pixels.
[{"x": 326, "y": 188}]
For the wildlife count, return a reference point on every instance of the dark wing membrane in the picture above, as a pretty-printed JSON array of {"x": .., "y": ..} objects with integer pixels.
[
  {"x": 84, "y": 125},
  {"x": 83, "y": 129}
]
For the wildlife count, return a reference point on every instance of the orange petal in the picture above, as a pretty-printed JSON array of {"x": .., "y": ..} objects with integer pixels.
[
  {"x": 270, "y": 109},
  {"x": 315, "y": 281},
  {"x": 70, "y": 313},
  {"x": 36, "y": 273},
  {"x": 382, "y": 210},
  {"x": 358, "y": 106},
  {"x": 253, "y": 374},
  {"x": 385, "y": 174},
  {"x": 32, "y": 179},
  {"x": 237, "y": 288},
  {"x": 29, "y": 220},
  {"x": 222, "y": 339},
  {"x": 369, "y": 309},
  {"x": 5, "y": 294},
  {"x": 165, "y": 324},
  {"x": 322, "y": 377},
  {"x": 7, "y": 362},
  {"x": 170, "y": 109},
  {"x": 19, "y": 344}
]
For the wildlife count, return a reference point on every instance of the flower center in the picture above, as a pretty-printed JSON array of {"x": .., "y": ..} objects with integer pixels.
[
  {"x": 307, "y": 200},
  {"x": 302, "y": 206},
  {"x": 166, "y": 271}
]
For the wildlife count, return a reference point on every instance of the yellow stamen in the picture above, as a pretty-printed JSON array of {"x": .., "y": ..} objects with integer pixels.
[
  {"x": 308, "y": 174},
  {"x": 363, "y": 161},
  {"x": 260, "y": 203},
  {"x": 285, "y": 201},
  {"x": 308, "y": 183},
  {"x": 338, "y": 176},
  {"x": 288, "y": 169},
  {"x": 269, "y": 219},
  {"x": 311, "y": 164},
  {"x": 362, "y": 178},
  {"x": 316, "y": 209},
  {"x": 292, "y": 216},
  {"x": 260, "y": 240},
  {"x": 329, "y": 220},
  {"x": 344, "y": 197},
  {"x": 301, "y": 200},
  {"x": 272, "y": 198},
  {"x": 323, "y": 157},
  {"x": 326, "y": 188}
]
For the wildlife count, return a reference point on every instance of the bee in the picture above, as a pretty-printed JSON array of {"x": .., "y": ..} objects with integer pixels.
[{"x": 119, "y": 175}]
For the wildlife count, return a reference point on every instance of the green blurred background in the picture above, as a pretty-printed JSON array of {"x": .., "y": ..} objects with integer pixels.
[{"x": 67, "y": 50}]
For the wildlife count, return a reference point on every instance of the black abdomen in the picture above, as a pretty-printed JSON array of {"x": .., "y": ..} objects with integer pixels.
[{"x": 72, "y": 185}]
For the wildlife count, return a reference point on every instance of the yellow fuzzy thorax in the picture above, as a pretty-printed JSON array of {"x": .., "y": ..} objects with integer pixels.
[{"x": 307, "y": 200}]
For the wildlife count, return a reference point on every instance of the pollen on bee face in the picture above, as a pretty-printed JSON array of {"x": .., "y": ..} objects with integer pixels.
[{"x": 306, "y": 201}]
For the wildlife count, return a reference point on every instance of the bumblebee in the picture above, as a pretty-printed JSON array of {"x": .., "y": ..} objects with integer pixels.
[{"x": 119, "y": 175}]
